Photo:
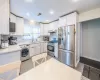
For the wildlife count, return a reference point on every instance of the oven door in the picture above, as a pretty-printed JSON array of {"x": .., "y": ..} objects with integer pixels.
[{"x": 50, "y": 48}]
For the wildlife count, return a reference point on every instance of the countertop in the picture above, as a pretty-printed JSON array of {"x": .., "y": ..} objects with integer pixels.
[
  {"x": 35, "y": 42},
  {"x": 12, "y": 48},
  {"x": 51, "y": 70}
]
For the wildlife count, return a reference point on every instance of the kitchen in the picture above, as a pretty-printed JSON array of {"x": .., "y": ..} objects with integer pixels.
[{"x": 62, "y": 37}]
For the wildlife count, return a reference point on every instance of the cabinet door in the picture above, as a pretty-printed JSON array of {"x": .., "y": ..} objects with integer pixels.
[
  {"x": 42, "y": 47},
  {"x": 63, "y": 21},
  {"x": 45, "y": 47},
  {"x": 32, "y": 51},
  {"x": 46, "y": 29},
  {"x": 4, "y": 17},
  {"x": 37, "y": 48},
  {"x": 71, "y": 18},
  {"x": 41, "y": 29},
  {"x": 12, "y": 18},
  {"x": 19, "y": 26}
]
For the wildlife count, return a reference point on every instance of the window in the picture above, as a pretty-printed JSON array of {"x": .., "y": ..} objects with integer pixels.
[{"x": 31, "y": 32}]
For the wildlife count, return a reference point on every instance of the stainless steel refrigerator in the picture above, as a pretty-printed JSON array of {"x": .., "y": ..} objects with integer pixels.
[{"x": 66, "y": 45}]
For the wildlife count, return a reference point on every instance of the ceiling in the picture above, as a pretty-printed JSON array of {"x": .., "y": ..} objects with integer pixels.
[{"x": 29, "y": 10}]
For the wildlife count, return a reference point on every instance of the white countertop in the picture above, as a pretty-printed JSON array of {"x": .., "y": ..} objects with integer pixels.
[
  {"x": 51, "y": 70},
  {"x": 12, "y": 48},
  {"x": 29, "y": 42}
]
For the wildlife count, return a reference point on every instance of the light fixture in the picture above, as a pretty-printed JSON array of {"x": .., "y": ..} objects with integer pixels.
[
  {"x": 28, "y": 14},
  {"x": 47, "y": 20},
  {"x": 29, "y": 1},
  {"x": 51, "y": 12},
  {"x": 32, "y": 21},
  {"x": 75, "y": 0}
]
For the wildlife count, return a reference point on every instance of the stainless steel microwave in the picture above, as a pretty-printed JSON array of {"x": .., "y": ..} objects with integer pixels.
[{"x": 12, "y": 27}]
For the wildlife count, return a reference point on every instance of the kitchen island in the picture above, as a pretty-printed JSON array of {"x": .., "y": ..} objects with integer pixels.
[{"x": 51, "y": 70}]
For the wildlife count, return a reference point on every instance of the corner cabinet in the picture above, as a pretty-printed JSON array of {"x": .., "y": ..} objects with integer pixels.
[{"x": 4, "y": 17}]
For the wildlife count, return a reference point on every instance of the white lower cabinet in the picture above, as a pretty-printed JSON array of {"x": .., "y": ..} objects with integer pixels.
[
  {"x": 42, "y": 48},
  {"x": 32, "y": 51},
  {"x": 45, "y": 47},
  {"x": 35, "y": 49},
  {"x": 38, "y": 48}
]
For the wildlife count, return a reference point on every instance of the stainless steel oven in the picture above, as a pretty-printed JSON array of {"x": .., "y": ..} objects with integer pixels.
[{"x": 52, "y": 49}]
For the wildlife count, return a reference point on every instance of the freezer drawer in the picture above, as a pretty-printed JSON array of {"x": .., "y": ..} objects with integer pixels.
[{"x": 66, "y": 57}]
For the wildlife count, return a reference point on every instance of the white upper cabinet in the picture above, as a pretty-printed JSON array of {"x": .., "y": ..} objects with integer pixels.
[
  {"x": 53, "y": 26},
  {"x": 46, "y": 29},
  {"x": 62, "y": 21},
  {"x": 41, "y": 29},
  {"x": 19, "y": 26},
  {"x": 12, "y": 18},
  {"x": 4, "y": 16},
  {"x": 72, "y": 18}
]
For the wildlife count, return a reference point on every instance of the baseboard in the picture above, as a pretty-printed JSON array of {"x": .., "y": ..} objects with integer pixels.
[{"x": 90, "y": 62}]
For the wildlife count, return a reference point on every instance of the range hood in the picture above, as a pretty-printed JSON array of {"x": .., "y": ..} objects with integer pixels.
[{"x": 52, "y": 31}]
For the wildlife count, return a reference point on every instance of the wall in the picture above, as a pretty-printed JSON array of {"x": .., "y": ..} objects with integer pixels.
[
  {"x": 91, "y": 39},
  {"x": 89, "y": 15}
]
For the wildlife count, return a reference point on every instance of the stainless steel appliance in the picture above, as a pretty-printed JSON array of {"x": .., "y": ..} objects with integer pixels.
[
  {"x": 12, "y": 40},
  {"x": 45, "y": 38},
  {"x": 25, "y": 53},
  {"x": 52, "y": 48},
  {"x": 4, "y": 44},
  {"x": 66, "y": 45}
]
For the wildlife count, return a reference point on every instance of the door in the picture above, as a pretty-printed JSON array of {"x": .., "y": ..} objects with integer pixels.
[{"x": 70, "y": 38}]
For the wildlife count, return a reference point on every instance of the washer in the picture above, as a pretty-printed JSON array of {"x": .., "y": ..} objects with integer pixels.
[{"x": 25, "y": 53}]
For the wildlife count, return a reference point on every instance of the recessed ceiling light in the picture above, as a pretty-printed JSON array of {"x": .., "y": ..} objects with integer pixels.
[
  {"x": 32, "y": 21},
  {"x": 51, "y": 12},
  {"x": 29, "y": 1},
  {"x": 47, "y": 20},
  {"x": 28, "y": 14},
  {"x": 75, "y": 0}
]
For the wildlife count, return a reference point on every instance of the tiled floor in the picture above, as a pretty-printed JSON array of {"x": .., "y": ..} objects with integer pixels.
[{"x": 27, "y": 65}]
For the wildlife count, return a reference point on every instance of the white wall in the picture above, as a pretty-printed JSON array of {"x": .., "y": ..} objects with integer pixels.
[
  {"x": 91, "y": 39},
  {"x": 89, "y": 15}
]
